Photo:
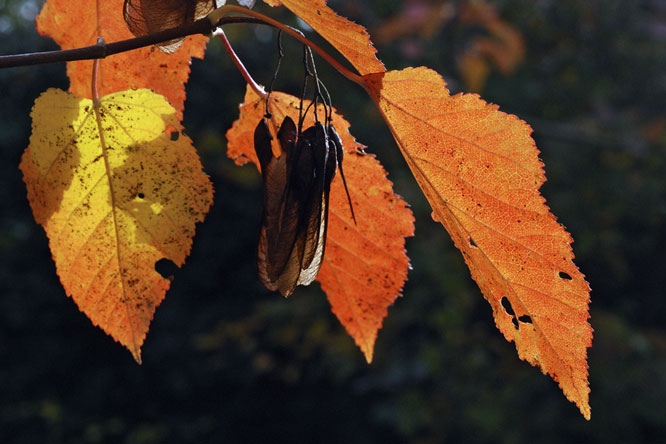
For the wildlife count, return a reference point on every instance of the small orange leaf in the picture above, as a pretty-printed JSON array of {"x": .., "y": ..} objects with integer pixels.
[
  {"x": 115, "y": 193},
  {"x": 73, "y": 24},
  {"x": 350, "y": 39},
  {"x": 365, "y": 265},
  {"x": 480, "y": 170}
]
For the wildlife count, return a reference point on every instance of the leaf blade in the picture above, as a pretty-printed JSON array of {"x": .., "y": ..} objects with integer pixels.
[
  {"x": 350, "y": 39},
  {"x": 111, "y": 213},
  {"x": 479, "y": 169}
]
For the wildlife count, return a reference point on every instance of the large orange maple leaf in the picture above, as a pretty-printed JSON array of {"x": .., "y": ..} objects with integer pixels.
[{"x": 479, "y": 169}]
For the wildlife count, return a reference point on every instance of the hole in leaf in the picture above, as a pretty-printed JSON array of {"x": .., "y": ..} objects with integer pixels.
[
  {"x": 507, "y": 306},
  {"x": 564, "y": 275},
  {"x": 166, "y": 268},
  {"x": 472, "y": 243},
  {"x": 169, "y": 130},
  {"x": 526, "y": 319},
  {"x": 174, "y": 136},
  {"x": 140, "y": 195},
  {"x": 515, "y": 322}
]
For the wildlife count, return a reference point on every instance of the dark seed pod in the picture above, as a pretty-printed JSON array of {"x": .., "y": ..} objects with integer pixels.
[{"x": 297, "y": 185}]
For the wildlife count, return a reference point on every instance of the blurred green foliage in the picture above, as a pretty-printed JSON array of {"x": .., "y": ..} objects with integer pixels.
[{"x": 227, "y": 361}]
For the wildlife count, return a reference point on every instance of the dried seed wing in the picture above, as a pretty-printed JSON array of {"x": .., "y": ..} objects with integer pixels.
[
  {"x": 280, "y": 215},
  {"x": 292, "y": 240},
  {"x": 284, "y": 236},
  {"x": 309, "y": 272},
  {"x": 290, "y": 208},
  {"x": 262, "y": 262},
  {"x": 312, "y": 214},
  {"x": 274, "y": 175},
  {"x": 290, "y": 276},
  {"x": 262, "y": 145},
  {"x": 287, "y": 133},
  {"x": 334, "y": 148}
]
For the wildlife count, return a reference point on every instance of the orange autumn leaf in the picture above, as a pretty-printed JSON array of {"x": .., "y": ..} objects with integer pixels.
[
  {"x": 350, "y": 39},
  {"x": 116, "y": 191},
  {"x": 73, "y": 24},
  {"x": 365, "y": 265},
  {"x": 479, "y": 169}
]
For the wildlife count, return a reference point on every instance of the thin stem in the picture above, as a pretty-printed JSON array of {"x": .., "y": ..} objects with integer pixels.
[
  {"x": 217, "y": 16},
  {"x": 301, "y": 116},
  {"x": 98, "y": 51},
  {"x": 317, "y": 91},
  {"x": 275, "y": 74},
  {"x": 203, "y": 26},
  {"x": 239, "y": 64}
]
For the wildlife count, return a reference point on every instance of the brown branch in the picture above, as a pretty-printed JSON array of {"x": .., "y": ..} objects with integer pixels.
[
  {"x": 204, "y": 26},
  {"x": 102, "y": 50}
]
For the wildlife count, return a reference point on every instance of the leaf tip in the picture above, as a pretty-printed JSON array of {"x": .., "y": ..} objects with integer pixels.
[
  {"x": 366, "y": 342},
  {"x": 136, "y": 354},
  {"x": 368, "y": 352}
]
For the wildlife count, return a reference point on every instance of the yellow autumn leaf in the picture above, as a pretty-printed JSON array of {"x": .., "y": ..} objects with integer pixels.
[{"x": 117, "y": 187}]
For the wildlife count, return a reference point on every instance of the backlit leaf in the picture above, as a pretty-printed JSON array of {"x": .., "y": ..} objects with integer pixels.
[
  {"x": 350, "y": 39},
  {"x": 73, "y": 24},
  {"x": 117, "y": 188},
  {"x": 365, "y": 265},
  {"x": 480, "y": 170}
]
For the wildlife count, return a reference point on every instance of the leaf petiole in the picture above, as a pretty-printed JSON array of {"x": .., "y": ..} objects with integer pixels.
[
  {"x": 218, "y": 15},
  {"x": 239, "y": 64}
]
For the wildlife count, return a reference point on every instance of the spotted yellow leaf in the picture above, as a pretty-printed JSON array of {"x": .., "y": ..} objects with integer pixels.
[{"x": 117, "y": 187}]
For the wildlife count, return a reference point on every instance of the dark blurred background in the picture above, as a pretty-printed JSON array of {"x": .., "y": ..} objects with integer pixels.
[{"x": 228, "y": 361}]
